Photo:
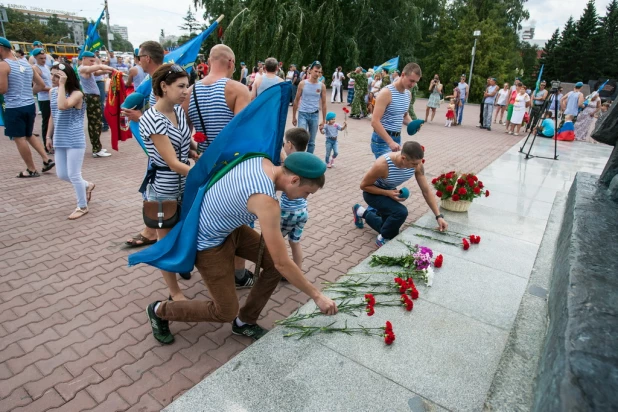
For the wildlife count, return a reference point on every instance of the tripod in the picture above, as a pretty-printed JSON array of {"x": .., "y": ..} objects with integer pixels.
[{"x": 553, "y": 92}]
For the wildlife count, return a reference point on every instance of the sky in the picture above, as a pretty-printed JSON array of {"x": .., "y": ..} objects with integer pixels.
[{"x": 145, "y": 18}]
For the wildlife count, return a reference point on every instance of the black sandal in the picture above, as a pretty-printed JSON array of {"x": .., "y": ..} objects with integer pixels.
[
  {"x": 47, "y": 166},
  {"x": 29, "y": 174}
]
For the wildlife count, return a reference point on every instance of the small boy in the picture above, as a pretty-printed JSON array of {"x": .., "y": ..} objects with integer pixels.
[
  {"x": 331, "y": 130},
  {"x": 294, "y": 214},
  {"x": 546, "y": 129}
]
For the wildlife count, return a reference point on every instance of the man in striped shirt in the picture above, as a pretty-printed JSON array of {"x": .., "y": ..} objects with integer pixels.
[{"x": 391, "y": 111}]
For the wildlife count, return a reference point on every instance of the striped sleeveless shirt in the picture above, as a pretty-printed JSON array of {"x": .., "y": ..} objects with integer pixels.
[
  {"x": 288, "y": 205},
  {"x": 266, "y": 83},
  {"x": 396, "y": 176},
  {"x": 310, "y": 99},
  {"x": 224, "y": 207},
  {"x": 89, "y": 84},
  {"x": 213, "y": 107},
  {"x": 46, "y": 76},
  {"x": 392, "y": 119},
  {"x": 19, "y": 91},
  {"x": 68, "y": 124}
]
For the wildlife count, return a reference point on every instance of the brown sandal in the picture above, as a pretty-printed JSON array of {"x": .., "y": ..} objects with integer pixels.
[
  {"x": 79, "y": 212},
  {"x": 89, "y": 190},
  {"x": 144, "y": 241}
]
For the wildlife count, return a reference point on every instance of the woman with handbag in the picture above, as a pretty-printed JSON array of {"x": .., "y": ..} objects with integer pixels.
[{"x": 167, "y": 136}]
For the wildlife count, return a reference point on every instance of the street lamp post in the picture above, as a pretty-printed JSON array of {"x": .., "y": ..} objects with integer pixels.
[{"x": 476, "y": 35}]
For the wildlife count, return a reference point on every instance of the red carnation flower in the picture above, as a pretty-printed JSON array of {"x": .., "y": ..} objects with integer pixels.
[
  {"x": 370, "y": 299},
  {"x": 476, "y": 179},
  {"x": 477, "y": 190},
  {"x": 449, "y": 175},
  {"x": 434, "y": 180},
  {"x": 442, "y": 176},
  {"x": 439, "y": 193},
  {"x": 473, "y": 239},
  {"x": 445, "y": 182},
  {"x": 462, "y": 191},
  {"x": 388, "y": 327},
  {"x": 438, "y": 262},
  {"x": 370, "y": 311},
  {"x": 403, "y": 288},
  {"x": 423, "y": 147},
  {"x": 471, "y": 182},
  {"x": 449, "y": 188},
  {"x": 466, "y": 244},
  {"x": 460, "y": 181},
  {"x": 199, "y": 137},
  {"x": 407, "y": 302},
  {"x": 455, "y": 198},
  {"x": 389, "y": 338},
  {"x": 478, "y": 240},
  {"x": 414, "y": 293},
  {"x": 486, "y": 193},
  {"x": 481, "y": 184},
  {"x": 399, "y": 281}
]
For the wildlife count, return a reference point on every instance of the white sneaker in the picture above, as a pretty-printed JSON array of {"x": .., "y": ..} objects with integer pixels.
[{"x": 102, "y": 153}]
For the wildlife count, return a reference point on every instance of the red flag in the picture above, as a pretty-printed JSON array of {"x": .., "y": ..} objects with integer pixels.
[{"x": 118, "y": 124}]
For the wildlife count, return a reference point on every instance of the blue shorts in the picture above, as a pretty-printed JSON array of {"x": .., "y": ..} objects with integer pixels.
[
  {"x": 19, "y": 121},
  {"x": 293, "y": 223}
]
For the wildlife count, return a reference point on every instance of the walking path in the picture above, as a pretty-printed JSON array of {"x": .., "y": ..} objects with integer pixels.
[
  {"x": 73, "y": 332},
  {"x": 448, "y": 349}
]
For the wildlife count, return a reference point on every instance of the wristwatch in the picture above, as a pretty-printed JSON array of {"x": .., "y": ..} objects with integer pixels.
[{"x": 440, "y": 216}]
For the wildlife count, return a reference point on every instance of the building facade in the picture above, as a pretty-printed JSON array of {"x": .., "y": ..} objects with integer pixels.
[
  {"x": 75, "y": 23},
  {"x": 120, "y": 31}
]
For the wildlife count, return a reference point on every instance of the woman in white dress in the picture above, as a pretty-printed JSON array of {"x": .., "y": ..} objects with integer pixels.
[
  {"x": 501, "y": 101},
  {"x": 522, "y": 101}
]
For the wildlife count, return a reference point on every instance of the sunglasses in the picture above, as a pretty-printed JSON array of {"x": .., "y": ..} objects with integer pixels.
[
  {"x": 59, "y": 66},
  {"x": 315, "y": 63},
  {"x": 174, "y": 69}
]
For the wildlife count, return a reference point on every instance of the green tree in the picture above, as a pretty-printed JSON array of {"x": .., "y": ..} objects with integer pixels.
[
  {"x": 587, "y": 44},
  {"x": 609, "y": 41},
  {"x": 190, "y": 24},
  {"x": 566, "y": 52},
  {"x": 548, "y": 57},
  {"x": 25, "y": 28}
]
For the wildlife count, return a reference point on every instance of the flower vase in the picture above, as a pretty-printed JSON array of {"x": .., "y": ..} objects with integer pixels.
[{"x": 459, "y": 206}]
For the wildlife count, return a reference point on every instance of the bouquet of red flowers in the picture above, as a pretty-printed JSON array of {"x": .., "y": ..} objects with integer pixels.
[{"x": 458, "y": 187}]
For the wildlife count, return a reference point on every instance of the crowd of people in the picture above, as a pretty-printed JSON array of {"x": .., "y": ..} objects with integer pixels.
[{"x": 181, "y": 108}]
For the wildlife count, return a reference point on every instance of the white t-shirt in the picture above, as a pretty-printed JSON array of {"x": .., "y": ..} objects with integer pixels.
[
  {"x": 502, "y": 94},
  {"x": 289, "y": 76},
  {"x": 337, "y": 78}
]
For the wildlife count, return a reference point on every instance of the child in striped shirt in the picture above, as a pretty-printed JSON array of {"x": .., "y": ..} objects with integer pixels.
[{"x": 294, "y": 214}]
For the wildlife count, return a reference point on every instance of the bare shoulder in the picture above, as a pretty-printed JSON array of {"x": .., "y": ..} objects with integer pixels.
[
  {"x": 236, "y": 87},
  {"x": 4, "y": 67}
]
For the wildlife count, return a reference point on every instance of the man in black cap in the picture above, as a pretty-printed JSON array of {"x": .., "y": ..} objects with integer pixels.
[{"x": 246, "y": 192}]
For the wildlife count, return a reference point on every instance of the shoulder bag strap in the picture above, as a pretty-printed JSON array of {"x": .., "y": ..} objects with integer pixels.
[{"x": 197, "y": 106}]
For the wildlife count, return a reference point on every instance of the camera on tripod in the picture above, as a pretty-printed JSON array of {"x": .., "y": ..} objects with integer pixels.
[{"x": 555, "y": 85}]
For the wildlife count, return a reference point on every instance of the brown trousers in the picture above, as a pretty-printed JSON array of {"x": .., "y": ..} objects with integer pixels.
[{"x": 217, "y": 269}]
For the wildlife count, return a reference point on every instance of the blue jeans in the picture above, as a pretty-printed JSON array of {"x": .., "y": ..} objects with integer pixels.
[
  {"x": 379, "y": 146},
  {"x": 309, "y": 122},
  {"x": 385, "y": 216},
  {"x": 461, "y": 107},
  {"x": 332, "y": 145},
  {"x": 101, "y": 86}
]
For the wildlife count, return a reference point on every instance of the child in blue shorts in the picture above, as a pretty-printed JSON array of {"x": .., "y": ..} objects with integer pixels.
[
  {"x": 331, "y": 130},
  {"x": 294, "y": 212}
]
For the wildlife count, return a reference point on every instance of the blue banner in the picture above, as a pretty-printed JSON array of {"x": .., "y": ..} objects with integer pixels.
[
  {"x": 93, "y": 41},
  {"x": 387, "y": 66},
  {"x": 263, "y": 120}
]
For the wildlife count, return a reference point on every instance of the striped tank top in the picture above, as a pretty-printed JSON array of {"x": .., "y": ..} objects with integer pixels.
[
  {"x": 288, "y": 205},
  {"x": 139, "y": 78},
  {"x": 310, "y": 99},
  {"x": 68, "y": 124},
  {"x": 89, "y": 84},
  {"x": 213, "y": 107},
  {"x": 19, "y": 91},
  {"x": 392, "y": 119},
  {"x": 46, "y": 76},
  {"x": 224, "y": 207},
  {"x": 396, "y": 176}
]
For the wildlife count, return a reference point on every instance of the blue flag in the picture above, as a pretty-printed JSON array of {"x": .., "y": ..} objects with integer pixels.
[
  {"x": 538, "y": 80},
  {"x": 93, "y": 41},
  {"x": 387, "y": 66},
  {"x": 263, "y": 120}
]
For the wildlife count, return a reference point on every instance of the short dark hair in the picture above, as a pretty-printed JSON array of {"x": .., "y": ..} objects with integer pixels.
[
  {"x": 72, "y": 83},
  {"x": 167, "y": 73},
  {"x": 547, "y": 113},
  {"x": 271, "y": 64},
  {"x": 412, "y": 68},
  {"x": 154, "y": 50},
  {"x": 20, "y": 52},
  {"x": 299, "y": 138},
  {"x": 305, "y": 181},
  {"x": 54, "y": 56},
  {"x": 413, "y": 150}
]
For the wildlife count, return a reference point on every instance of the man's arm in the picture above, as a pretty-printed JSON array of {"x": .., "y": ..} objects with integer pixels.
[
  {"x": 323, "y": 104},
  {"x": 96, "y": 69},
  {"x": 467, "y": 91},
  {"x": 255, "y": 88},
  {"x": 580, "y": 101},
  {"x": 269, "y": 214},
  {"x": 429, "y": 196},
  {"x": 299, "y": 92},
  {"x": 494, "y": 93},
  {"x": 242, "y": 96},
  {"x": 40, "y": 73},
  {"x": 39, "y": 84},
  {"x": 382, "y": 101},
  {"x": 5, "y": 69},
  {"x": 132, "y": 73}
]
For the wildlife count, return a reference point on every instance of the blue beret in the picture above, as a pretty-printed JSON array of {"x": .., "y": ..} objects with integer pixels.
[
  {"x": 305, "y": 165},
  {"x": 37, "y": 43},
  {"x": 87, "y": 54},
  {"x": 579, "y": 84},
  {"x": 134, "y": 101},
  {"x": 36, "y": 52},
  {"x": 4, "y": 42},
  {"x": 136, "y": 52},
  {"x": 414, "y": 126},
  {"x": 330, "y": 116}
]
